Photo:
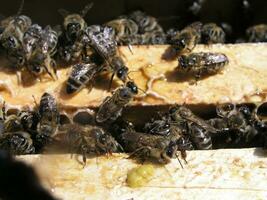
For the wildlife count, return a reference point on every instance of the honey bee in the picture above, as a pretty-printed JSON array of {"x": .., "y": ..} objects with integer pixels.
[
  {"x": 145, "y": 22},
  {"x": 155, "y": 147},
  {"x": 124, "y": 30},
  {"x": 28, "y": 120},
  {"x": 48, "y": 119},
  {"x": 40, "y": 59},
  {"x": 186, "y": 39},
  {"x": 80, "y": 76},
  {"x": 198, "y": 129},
  {"x": 257, "y": 33},
  {"x": 70, "y": 44},
  {"x": 202, "y": 63},
  {"x": 12, "y": 35},
  {"x": 17, "y": 143},
  {"x": 111, "y": 108},
  {"x": 88, "y": 140},
  {"x": 211, "y": 33}
]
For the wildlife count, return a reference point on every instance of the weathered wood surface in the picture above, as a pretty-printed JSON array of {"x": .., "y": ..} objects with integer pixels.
[
  {"x": 242, "y": 80},
  {"x": 215, "y": 174}
]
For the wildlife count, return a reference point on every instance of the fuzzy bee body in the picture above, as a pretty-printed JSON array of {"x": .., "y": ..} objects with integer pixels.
[
  {"x": 202, "y": 63},
  {"x": 111, "y": 107},
  {"x": 88, "y": 140},
  {"x": 17, "y": 142},
  {"x": 212, "y": 33},
  {"x": 257, "y": 33},
  {"x": 81, "y": 75},
  {"x": 186, "y": 39}
]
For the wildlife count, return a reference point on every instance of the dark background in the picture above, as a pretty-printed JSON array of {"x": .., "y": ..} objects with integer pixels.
[{"x": 231, "y": 11}]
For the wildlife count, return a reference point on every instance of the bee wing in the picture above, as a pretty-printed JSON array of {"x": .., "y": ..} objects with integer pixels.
[
  {"x": 202, "y": 123},
  {"x": 108, "y": 110}
]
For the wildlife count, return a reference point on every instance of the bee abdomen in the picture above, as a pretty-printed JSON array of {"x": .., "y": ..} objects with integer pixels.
[{"x": 201, "y": 138}]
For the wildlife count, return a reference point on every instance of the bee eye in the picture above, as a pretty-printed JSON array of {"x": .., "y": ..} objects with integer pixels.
[
  {"x": 36, "y": 68},
  {"x": 133, "y": 87},
  {"x": 121, "y": 74}
]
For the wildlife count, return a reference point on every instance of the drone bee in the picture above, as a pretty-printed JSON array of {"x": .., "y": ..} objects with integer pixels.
[
  {"x": 145, "y": 23},
  {"x": 257, "y": 33},
  {"x": 124, "y": 30},
  {"x": 212, "y": 33},
  {"x": 17, "y": 143},
  {"x": 111, "y": 108},
  {"x": 186, "y": 39},
  {"x": 202, "y": 63},
  {"x": 88, "y": 140},
  {"x": 198, "y": 129},
  {"x": 80, "y": 76},
  {"x": 48, "y": 119}
]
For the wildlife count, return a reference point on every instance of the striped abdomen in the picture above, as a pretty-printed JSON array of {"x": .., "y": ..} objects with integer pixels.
[{"x": 200, "y": 137}]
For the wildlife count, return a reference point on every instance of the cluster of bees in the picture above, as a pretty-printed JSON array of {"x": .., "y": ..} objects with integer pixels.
[
  {"x": 160, "y": 140},
  {"x": 93, "y": 49}
]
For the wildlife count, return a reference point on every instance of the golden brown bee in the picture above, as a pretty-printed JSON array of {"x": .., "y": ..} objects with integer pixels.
[
  {"x": 125, "y": 30},
  {"x": 17, "y": 142},
  {"x": 186, "y": 39},
  {"x": 88, "y": 140},
  {"x": 49, "y": 119},
  {"x": 257, "y": 33},
  {"x": 211, "y": 33},
  {"x": 81, "y": 75},
  {"x": 202, "y": 63},
  {"x": 111, "y": 108}
]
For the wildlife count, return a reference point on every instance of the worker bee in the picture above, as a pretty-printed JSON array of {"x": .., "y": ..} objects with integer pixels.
[
  {"x": 155, "y": 147},
  {"x": 17, "y": 143},
  {"x": 80, "y": 76},
  {"x": 28, "y": 120},
  {"x": 48, "y": 119},
  {"x": 197, "y": 129},
  {"x": 186, "y": 39},
  {"x": 202, "y": 63},
  {"x": 70, "y": 44},
  {"x": 88, "y": 140},
  {"x": 257, "y": 33},
  {"x": 12, "y": 36},
  {"x": 111, "y": 108},
  {"x": 211, "y": 33},
  {"x": 145, "y": 22},
  {"x": 124, "y": 30}
]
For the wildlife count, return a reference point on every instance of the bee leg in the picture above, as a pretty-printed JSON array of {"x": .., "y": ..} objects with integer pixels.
[
  {"x": 183, "y": 154},
  {"x": 179, "y": 160},
  {"x": 111, "y": 80},
  {"x": 89, "y": 86},
  {"x": 130, "y": 47},
  {"x": 18, "y": 73}
]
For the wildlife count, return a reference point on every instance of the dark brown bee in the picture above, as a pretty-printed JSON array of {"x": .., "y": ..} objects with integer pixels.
[
  {"x": 257, "y": 33},
  {"x": 40, "y": 59},
  {"x": 186, "y": 39},
  {"x": 156, "y": 147},
  {"x": 88, "y": 140},
  {"x": 49, "y": 119},
  {"x": 198, "y": 129},
  {"x": 80, "y": 76},
  {"x": 202, "y": 63},
  {"x": 102, "y": 40},
  {"x": 125, "y": 30},
  {"x": 111, "y": 108},
  {"x": 17, "y": 143},
  {"x": 211, "y": 33}
]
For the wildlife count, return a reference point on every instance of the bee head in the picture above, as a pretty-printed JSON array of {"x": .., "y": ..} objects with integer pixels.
[
  {"x": 10, "y": 42},
  {"x": 73, "y": 24},
  {"x": 122, "y": 73},
  {"x": 132, "y": 86},
  {"x": 180, "y": 44},
  {"x": 171, "y": 149}
]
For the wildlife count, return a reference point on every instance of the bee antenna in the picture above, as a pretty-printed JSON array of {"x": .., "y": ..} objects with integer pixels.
[
  {"x": 34, "y": 100},
  {"x": 141, "y": 90},
  {"x": 20, "y": 7},
  {"x": 130, "y": 47},
  {"x": 86, "y": 9},
  {"x": 63, "y": 12},
  {"x": 179, "y": 160},
  {"x": 111, "y": 80}
]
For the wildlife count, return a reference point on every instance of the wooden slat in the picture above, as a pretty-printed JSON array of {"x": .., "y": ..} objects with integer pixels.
[
  {"x": 243, "y": 80},
  {"x": 215, "y": 174}
]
